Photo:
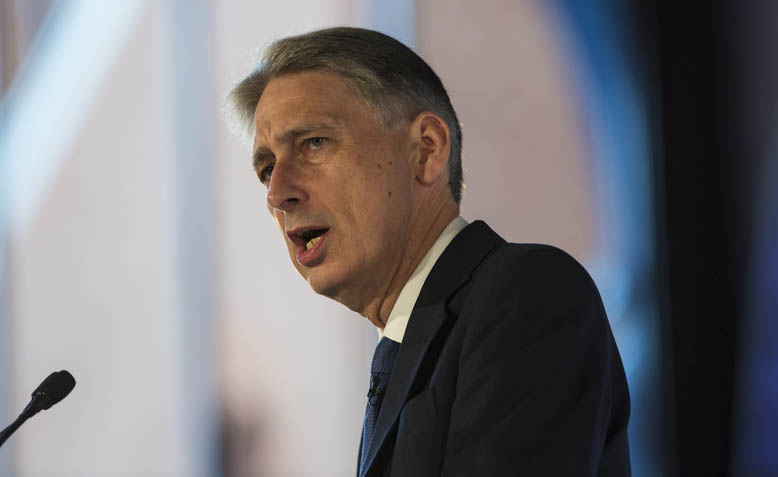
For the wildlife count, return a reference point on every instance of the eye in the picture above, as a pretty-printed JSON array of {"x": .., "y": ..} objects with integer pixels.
[
  {"x": 315, "y": 142},
  {"x": 264, "y": 174}
]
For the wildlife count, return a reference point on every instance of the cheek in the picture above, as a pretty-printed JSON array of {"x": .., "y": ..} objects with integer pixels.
[
  {"x": 376, "y": 191},
  {"x": 384, "y": 211}
]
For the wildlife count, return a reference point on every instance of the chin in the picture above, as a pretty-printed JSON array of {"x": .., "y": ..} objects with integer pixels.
[
  {"x": 335, "y": 288},
  {"x": 322, "y": 284}
]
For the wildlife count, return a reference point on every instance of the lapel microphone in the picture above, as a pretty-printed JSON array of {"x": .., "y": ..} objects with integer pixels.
[
  {"x": 52, "y": 390},
  {"x": 376, "y": 390}
]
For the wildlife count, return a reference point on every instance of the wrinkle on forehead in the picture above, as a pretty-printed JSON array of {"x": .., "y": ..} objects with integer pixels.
[
  {"x": 291, "y": 102},
  {"x": 302, "y": 117}
]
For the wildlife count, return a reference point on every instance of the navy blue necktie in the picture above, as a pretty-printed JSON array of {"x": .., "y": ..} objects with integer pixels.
[{"x": 380, "y": 371}]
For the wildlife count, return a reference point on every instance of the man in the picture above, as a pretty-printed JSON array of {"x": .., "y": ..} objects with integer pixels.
[{"x": 495, "y": 358}]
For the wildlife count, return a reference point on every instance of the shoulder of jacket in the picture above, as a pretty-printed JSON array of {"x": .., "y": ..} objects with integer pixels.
[{"x": 530, "y": 257}]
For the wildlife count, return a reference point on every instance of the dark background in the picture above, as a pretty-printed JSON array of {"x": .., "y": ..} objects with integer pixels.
[{"x": 715, "y": 82}]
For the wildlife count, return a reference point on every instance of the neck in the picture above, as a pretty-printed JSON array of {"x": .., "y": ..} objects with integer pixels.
[{"x": 425, "y": 230}]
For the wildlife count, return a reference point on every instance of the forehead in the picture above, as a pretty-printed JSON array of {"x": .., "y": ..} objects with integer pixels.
[{"x": 314, "y": 96}]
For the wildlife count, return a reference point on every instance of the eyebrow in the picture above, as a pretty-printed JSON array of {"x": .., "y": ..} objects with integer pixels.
[{"x": 262, "y": 154}]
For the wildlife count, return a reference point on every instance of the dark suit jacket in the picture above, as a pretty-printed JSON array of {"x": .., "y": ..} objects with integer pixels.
[{"x": 507, "y": 367}]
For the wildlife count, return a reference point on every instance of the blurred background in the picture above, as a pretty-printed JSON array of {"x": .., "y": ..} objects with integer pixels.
[{"x": 136, "y": 250}]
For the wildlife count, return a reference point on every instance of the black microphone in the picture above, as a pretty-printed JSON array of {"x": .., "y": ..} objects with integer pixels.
[{"x": 52, "y": 390}]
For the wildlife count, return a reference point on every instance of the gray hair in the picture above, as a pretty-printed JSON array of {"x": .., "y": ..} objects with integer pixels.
[{"x": 392, "y": 80}]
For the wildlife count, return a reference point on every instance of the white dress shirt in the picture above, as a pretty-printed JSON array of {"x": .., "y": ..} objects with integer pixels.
[{"x": 401, "y": 311}]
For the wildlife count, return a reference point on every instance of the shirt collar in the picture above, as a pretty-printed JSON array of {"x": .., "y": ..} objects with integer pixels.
[{"x": 401, "y": 311}]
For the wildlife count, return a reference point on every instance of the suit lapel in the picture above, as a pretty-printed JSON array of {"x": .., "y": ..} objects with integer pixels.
[{"x": 449, "y": 273}]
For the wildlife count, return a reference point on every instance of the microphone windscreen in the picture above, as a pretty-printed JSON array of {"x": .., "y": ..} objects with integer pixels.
[{"x": 55, "y": 388}]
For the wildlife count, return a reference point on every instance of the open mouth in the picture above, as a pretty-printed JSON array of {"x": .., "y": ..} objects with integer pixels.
[
  {"x": 308, "y": 238},
  {"x": 310, "y": 243}
]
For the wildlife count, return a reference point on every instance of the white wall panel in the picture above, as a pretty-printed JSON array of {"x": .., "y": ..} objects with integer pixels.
[
  {"x": 526, "y": 152},
  {"x": 92, "y": 288},
  {"x": 294, "y": 364}
]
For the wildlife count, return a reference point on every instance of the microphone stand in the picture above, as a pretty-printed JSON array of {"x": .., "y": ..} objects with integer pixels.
[{"x": 28, "y": 412}]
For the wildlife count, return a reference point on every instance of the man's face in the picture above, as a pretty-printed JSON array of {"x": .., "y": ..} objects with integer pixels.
[{"x": 339, "y": 184}]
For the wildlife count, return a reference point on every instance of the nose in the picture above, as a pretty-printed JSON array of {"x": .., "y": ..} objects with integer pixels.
[{"x": 285, "y": 191}]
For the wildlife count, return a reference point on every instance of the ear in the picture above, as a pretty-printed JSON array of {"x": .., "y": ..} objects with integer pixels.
[{"x": 434, "y": 145}]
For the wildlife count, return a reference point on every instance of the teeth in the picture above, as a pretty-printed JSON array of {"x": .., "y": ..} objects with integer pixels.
[{"x": 312, "y": 243}]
